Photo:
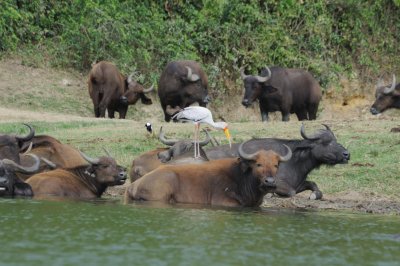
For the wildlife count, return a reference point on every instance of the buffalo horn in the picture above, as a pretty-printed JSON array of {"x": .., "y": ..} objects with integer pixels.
[
  {"x": 388, "y": 90},
  {"x": 24, "y": 169},
  {"x": 206, "y": 141},
  {"x": 107, "y": 152},
  {"x": 242, "y": 74},
  {"x": 303, "y": 134},
  {"x": 28, "y": 149},
  {"x": 27, "y": 137},
  {"x": 327, "y": 127},
  {"x": 264, "y": 79},
  {"x": 88, "y": 159},
  {"x": 149, "y": 89},
  {"x": 245, "y": 155},
  {"x": 212, "y": 139},
  {"x": 287, "y": 156},
  {"x": 49, "y": 163},
  {"x": 129, "y": 80},
  {"x": 190, "y": 76},
  {"x": 165, "y": 141}
]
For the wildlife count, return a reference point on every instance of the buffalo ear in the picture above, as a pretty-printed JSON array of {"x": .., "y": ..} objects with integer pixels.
[
  {"x": 270, "y": 89},
  {"x": 244, "y": 165}
]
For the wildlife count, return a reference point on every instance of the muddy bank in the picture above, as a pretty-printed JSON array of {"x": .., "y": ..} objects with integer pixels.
[{"x": 351, "y": 201}]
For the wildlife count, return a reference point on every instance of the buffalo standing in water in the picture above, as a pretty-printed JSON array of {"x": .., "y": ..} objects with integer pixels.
[
  {"x": 386, "y": 97},
  {"x": 283, "y": 89}
]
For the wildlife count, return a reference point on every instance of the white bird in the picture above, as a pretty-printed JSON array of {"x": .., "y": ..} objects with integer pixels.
[{"x": 200, "y": 115}]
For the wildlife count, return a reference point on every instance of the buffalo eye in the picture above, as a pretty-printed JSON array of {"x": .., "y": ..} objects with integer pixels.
[
  {"x": 276, "y": 165},
  {"x": 258, "y": 165}
]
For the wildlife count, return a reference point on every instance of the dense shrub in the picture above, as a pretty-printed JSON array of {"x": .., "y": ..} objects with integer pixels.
[{"x": 329, "y": 38}]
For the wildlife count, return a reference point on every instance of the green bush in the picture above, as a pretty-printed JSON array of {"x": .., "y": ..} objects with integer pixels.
[{"x": 329, "y": 38}]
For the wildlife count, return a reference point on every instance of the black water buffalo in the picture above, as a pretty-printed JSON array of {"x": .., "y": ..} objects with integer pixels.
[
  {"x": 87, "y": 181},
  {"x": 386, "y": 97},
  {"x": 11, "y": 144},
  {"x": 182, "y": 83},
  {"x": 10, "y": 184},
  {"x": 111, "y": 90},
  {"x": 308, "y": 154},
  {"x": 283, "y": 89},
  {"x": 226, "y": 182}
]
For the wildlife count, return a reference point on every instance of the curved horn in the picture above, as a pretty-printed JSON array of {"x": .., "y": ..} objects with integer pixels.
[
  {"x": 149, "y": 89},
  {"x": 241, "y": 70},
  {"x": 327, "y": 127},
  {"x": 190, "y": 76},
  {"x": 388, "y": 90},
  {"x": 129, "y": 79},
  {"x": 165, "y": 141},
  {"x": 303, "y": 134},
  {"x": 27, "y": 137},
  {"x": 24, "y": 169},
  {"x": 28, "y": 149},
  {"x": 212, "y": 139},
  {"x": 107, "y": 152},
  {"x": 88, "y": 159},
  {"x": 287, "y": 156},
  {"x": 245, "y": 155},
  {"x": 207, "y": 140},
  {"x": 262, "y": 79},
  {"x": 49, "y": 163}
]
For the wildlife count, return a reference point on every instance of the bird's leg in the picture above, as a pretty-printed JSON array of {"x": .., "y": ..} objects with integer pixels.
[{"x": 195, "y": 138}]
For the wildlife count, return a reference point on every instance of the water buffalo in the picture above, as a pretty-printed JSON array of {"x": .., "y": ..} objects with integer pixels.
[
  {"x": 308, "y": 154},
  {"x": 386, "y": 97},
  {"x": 111, "y": 90},
  {"x": 10, "y": 144},
  {"x": 179, "y": 151},
  {"x": 283, "y": 89},
  {"x": 182, "y": 83},
  {"x": 227, "y": 182},
  {"x": 47, "y": 147},
  {"x": 87, "y": 181},
  {"x": 10, "y": 184}
]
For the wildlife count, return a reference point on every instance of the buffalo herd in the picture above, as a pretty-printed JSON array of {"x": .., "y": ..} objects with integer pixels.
[{"x": 240, "y": 174}]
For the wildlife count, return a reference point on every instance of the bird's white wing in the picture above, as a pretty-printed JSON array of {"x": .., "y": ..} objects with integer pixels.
[{"x": 196, "y": 114}]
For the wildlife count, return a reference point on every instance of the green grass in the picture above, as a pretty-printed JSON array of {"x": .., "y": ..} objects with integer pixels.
[{"x": 373, "y": 168}]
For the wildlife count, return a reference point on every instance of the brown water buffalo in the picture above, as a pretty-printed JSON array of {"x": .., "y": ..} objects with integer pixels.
[
  {"x": 47, "y": 147},
  {"x": 88, "y": 181},
  {"x": 10, "y": 184},
  {"x": 180, "y": 151},
  {"x": 111, "y": 90},
  {"x": 386, "y": 97},
  {"x": 283, "y": 89},
  {"x": 227, "y": 182},
  {"x": 309, "y": 153},
  {"x": 182, "y": 83},
  {"x": 10, "y": 144}
]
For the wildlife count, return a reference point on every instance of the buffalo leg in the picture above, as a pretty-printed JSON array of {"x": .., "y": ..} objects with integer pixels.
[
  {"x": 23, "y": 189},
  {"x": 302, "y": 115},
  {"x": 111, "y": 112},
  {"x": 167, "y": 117},
  {"x": 310, "y": 185},
  {"x": 122, "y": 112},
  {"x": 283, "y": 189},
  {"x": 312, "y": 111},
  {"x": 264, "y": 113},
  {"x": 285, "y": 116}
]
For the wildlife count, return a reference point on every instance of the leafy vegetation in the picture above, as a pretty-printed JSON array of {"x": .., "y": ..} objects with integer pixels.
[{"x": 330, "y": 38}]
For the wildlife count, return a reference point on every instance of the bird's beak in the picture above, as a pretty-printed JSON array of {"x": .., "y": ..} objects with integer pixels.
[{"x": 228, "y": 136}]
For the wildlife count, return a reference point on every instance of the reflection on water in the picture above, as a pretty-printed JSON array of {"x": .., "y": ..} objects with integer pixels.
[{"x": 105, "y": 232}]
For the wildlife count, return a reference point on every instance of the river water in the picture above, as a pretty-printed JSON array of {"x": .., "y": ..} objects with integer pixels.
[{"x": 106, "y": 232}]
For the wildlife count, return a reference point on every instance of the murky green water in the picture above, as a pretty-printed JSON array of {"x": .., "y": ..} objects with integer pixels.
[{"x": 109, "y": 233}]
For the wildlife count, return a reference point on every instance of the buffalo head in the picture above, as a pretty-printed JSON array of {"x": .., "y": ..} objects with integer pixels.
[
  {"x": 178, "y": 147},
  {"x": 105, "y": 170},
  {"x": 386, "y": 97},
  {"x": 263, "y": 164},
  {"x": 253, "y": 86},
  {"x": 324, "y": 147},
  {"x": 10, "y": 145},
  {"x": 10, "y": 185}
]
